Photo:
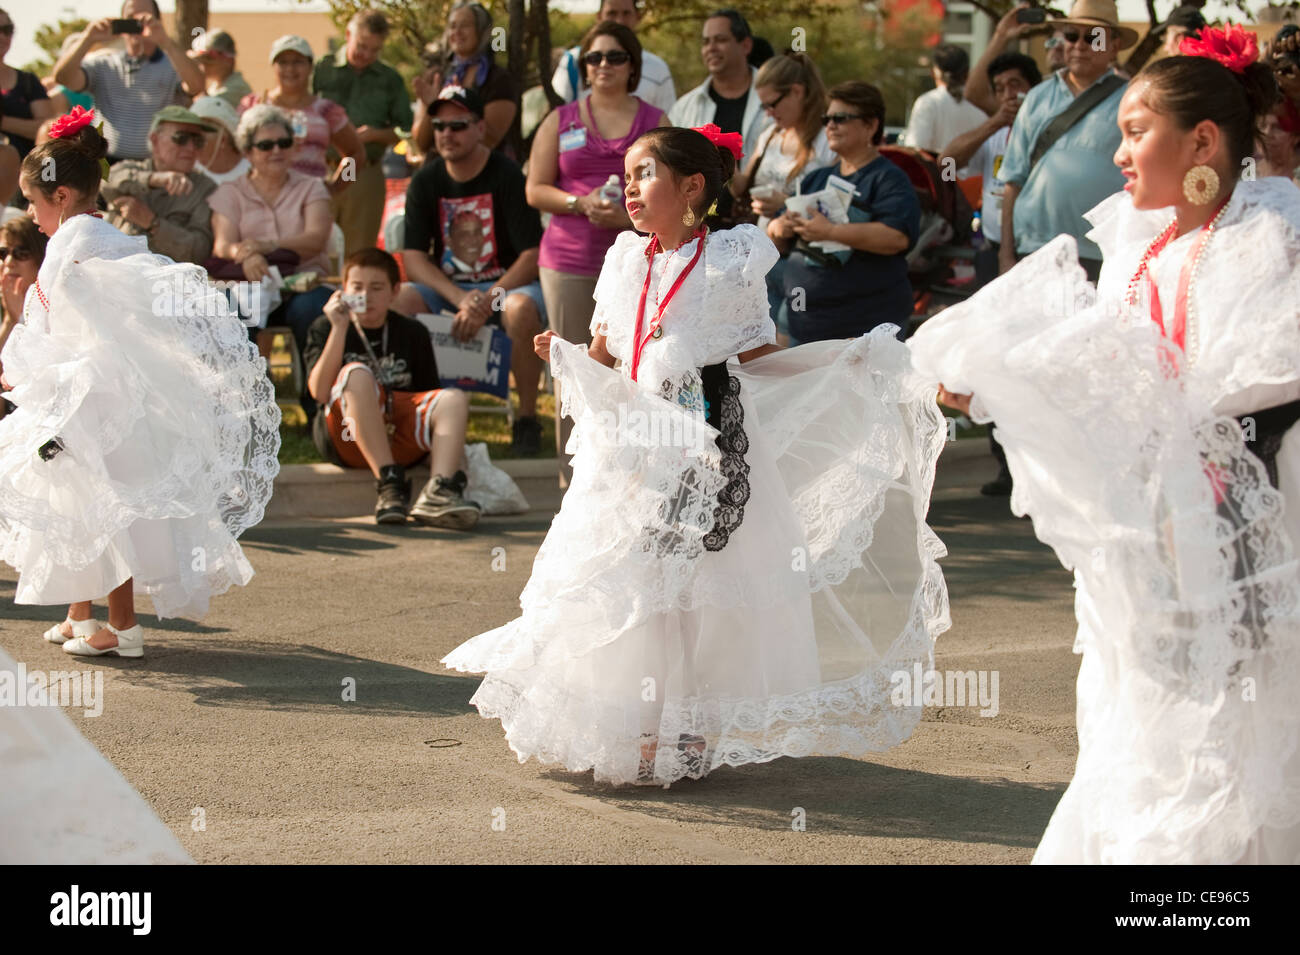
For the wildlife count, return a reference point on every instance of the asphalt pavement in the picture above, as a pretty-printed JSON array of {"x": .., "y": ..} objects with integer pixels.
[{"x": 307, "y": 719}]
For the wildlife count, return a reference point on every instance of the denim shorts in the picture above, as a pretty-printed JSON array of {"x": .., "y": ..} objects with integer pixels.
[{"x": 437, "y": 303}]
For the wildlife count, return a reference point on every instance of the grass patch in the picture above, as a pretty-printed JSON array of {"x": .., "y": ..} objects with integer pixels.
[{"x": 297, "y": 447}]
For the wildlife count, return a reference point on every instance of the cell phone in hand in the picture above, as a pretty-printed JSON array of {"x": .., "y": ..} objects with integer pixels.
[
  {"x": 1032, "y": 15},
  {"x": 127, "y": 25},
  {"x": 355, "y": 301}
]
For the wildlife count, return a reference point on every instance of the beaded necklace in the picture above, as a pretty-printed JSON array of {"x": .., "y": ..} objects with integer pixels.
[{"x": 1183, "y": 331}]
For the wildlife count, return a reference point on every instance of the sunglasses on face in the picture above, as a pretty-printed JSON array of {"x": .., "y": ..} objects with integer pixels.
[
  {"x": 266, "y": 145},
  {"x": 20, "y": 254},
  {"x": 836, "y": 119},
  {"x": 455, "y": 125},
  {"x": 184, "y": 139},
  {"x": 776, "y": 102},
  {"x": 6, "y": 29},
  {"x": 612, "y": 57},
  {"x": 1074, "y": 36}
]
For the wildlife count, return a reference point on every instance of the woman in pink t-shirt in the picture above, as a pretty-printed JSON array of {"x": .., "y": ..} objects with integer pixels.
[
  {"x": 576, "y": 150},
  {"x": 317, "y": 123}
]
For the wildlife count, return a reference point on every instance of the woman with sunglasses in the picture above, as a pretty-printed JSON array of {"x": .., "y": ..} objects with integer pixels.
[
  {"x": 576, "y": 150},
  {"x": 317, "y": 123},
  {"x": 22, "y": 249},
  {"x": 845, "y": 293},
  {"x": 274, "y": 215},
  {"x": 791, "y": 91},
  {"x": 1116, "y": 408},
  {"x": 469, "y": 63},
  {"x": 145, "y": 433}
]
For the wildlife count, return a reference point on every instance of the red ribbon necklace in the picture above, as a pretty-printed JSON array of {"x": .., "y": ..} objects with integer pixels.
[
  {"x": 639, "y": 341},
  {"x": 1177, "y": 332}
]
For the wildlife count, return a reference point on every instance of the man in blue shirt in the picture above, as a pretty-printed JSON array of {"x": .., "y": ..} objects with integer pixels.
[{"x": 1078, "y": 171}]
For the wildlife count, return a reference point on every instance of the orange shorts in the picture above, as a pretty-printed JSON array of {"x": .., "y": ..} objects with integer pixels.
[{"x": 410, "y": 423}]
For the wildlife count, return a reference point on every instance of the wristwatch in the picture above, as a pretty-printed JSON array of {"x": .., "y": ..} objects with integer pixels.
[{"x": 571, "y": 203}]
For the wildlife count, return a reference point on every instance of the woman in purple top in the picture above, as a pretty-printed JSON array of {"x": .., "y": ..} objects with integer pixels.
[{"x": 576, "y": 150}]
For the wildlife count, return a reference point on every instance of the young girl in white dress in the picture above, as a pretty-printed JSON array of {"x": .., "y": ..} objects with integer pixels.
[
  {"x": 741, "y": 563},
  {"x": 1116, "y": 410},
  {"x": 146, "y": 431}
]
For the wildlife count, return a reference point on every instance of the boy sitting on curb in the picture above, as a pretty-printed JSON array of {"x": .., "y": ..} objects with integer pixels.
[{"x": 374, "y": 372}]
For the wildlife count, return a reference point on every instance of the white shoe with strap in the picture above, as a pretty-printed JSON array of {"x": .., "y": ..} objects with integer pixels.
[
  {"x": 80, "y": 628},
  {"x": 130, "y": 643}
]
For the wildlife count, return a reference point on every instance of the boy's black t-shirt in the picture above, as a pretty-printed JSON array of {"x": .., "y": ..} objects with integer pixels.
[
  {"x": 472, "y": 230},
  {"x": 406, "y": 361}
]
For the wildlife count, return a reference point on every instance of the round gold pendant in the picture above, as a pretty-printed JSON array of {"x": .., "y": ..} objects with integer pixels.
[{"x": 392, "y": 430}]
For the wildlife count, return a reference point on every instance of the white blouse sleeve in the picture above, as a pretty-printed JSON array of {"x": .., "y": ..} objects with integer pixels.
[
  {"x": 613, "y": 281},
  {"x": 736, "y": 316}
]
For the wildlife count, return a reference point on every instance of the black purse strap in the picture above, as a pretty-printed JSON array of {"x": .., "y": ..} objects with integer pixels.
[{"x": 1083, "y": 104}]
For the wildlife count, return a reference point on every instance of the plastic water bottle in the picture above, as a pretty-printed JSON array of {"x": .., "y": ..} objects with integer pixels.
[
  {"x": 612, "y": 190},
  {"x": 977, "y": 231}
]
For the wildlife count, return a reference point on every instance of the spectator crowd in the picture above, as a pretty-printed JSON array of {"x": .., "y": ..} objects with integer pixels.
[{"x": 286, "y": 186}]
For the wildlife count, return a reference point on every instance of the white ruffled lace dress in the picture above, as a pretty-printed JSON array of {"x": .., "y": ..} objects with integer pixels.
[
  {"x": 168, "y": 421},
  {"x": 1125, "y": 453},
  {"x": 723, "y": 596}
]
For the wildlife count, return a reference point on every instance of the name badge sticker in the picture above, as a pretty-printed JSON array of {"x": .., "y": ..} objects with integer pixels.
[{"x": 574, "y": 138}]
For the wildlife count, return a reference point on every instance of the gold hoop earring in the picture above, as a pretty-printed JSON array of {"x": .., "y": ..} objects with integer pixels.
[
  {"x": 1200, "y": 185},
  {"x": 688, "y": 217}
]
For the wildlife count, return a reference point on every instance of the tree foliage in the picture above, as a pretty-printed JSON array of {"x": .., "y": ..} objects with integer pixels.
[{"x": 50, "y": 39}]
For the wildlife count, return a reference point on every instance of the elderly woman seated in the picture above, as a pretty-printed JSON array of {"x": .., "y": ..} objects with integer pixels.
[{"x": 273, "y": 216}]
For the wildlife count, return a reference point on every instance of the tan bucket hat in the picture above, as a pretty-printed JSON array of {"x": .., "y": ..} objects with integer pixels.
[{"x": 1087, "y": 14}]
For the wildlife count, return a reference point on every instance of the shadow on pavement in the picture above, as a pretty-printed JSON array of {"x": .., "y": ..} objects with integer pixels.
[
  {"x": 273, "y": 676},
  {"x": 846, "y": 797}
]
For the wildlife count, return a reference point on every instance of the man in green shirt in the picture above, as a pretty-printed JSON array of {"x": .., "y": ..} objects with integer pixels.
[{"x": 378, "y": 104}]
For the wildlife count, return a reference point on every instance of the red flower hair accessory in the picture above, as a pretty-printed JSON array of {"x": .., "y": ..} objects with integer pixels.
[
  {"x": 713, "y": 134},
  {"x": 1233, "y": 46},
  {"x": 69, "y": 123}
]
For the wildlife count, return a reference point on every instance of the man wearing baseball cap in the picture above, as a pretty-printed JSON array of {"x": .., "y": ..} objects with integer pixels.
[
  {"x": 221, "y": 160},
  {"x": 164, "y": 197},
  {"x": 1184, "y": 21},
  {"x": 214, "y": 52},
  {"x": 471, "y": 244}
]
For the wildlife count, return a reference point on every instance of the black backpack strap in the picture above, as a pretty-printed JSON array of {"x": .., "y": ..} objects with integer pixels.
[{"x": 1082, "y": 105}]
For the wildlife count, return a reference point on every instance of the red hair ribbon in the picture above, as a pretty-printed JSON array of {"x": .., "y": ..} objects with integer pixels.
[
  {"x": 1233, "y": 46},
  {"x": 69, "y": 123},
  {"x": 713, "y": 134}
]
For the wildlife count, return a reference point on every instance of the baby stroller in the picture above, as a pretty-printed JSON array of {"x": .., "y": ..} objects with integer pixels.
[{"x": 940, "y": 263}]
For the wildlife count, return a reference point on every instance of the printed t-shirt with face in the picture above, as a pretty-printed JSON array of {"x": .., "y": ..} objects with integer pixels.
[
  {"x": 406, "y": 361},
  {"x": 472, "y": 230}
]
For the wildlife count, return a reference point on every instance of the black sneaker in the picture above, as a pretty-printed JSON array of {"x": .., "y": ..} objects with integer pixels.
[
  {"x": 394, "y": 495},
  {"x": 527, "y": 437},
  {"x": 1000, "y": 486},
  {"x": 442, "y": 504}
]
